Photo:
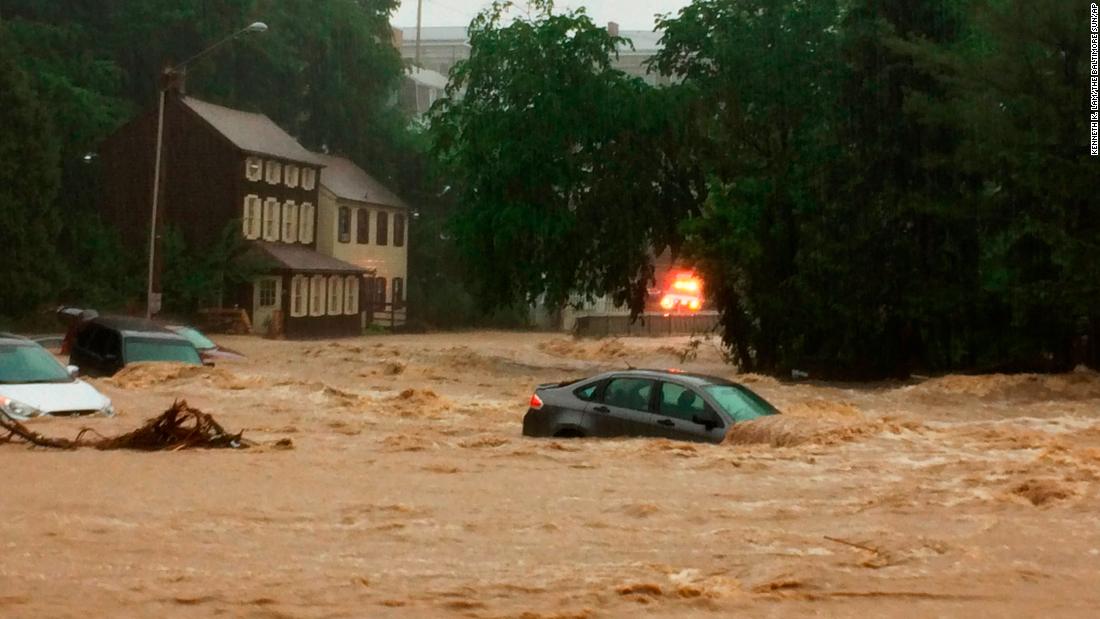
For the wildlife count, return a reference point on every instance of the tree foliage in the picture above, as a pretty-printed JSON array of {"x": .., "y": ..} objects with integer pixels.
[
  {"x": 326, "y": 71},
  {"x": 541, "y": 138},
  {"x": 29, "y": 216},
  {"x": 867, "y": 186}
]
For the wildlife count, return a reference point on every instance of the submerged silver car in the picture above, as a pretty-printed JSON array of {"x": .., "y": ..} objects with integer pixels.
[{"x": 33, "y": 383}]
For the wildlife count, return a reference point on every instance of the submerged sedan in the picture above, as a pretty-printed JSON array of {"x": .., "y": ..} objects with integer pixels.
[
  {"x": 668, "y": 404},
  {"x": 33, "y": 383}
]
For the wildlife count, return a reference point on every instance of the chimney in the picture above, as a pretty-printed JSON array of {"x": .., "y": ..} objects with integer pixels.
[{"x": 613, "y": 28}]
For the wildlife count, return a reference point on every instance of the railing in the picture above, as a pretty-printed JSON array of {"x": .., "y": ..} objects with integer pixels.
[
  {"x": 648, "y": 324},
  {"x": 387, "y": 314}
]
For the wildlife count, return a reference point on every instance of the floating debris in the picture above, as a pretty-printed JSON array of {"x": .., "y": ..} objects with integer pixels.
[{"x": 179, "y": 427}]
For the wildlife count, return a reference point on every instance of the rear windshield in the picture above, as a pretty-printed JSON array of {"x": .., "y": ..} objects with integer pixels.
[
  {"x": 198, "y": 339},
  {"x": 740, "y": 402},
  {"x": 161, "y": 350},
  {"x": 30, "y": 364}
]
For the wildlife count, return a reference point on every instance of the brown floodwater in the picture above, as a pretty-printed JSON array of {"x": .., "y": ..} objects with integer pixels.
[{"x": 409, "y": 492}]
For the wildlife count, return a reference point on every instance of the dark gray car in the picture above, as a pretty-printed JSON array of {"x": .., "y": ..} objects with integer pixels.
[
  {"x": 104, "y": 345},
  {"x": 669, "y": 404}
]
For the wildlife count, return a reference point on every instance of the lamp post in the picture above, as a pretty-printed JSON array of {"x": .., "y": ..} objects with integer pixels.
[{"x": 153, "y": 300}]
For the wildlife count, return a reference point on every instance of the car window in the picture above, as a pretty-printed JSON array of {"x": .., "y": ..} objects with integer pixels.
[
  {"x": 587, "y": 392},
  {"x": 680, "y": 401},
  {"x": 741, "y": 403},
  {"x": 630, "y": 393},
  {"x": 160, "y": 350},
  {"x": 30, "y": 364}
]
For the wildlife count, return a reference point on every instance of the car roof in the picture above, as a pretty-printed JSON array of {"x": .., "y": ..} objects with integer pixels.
[
  {"x": 132, "y": 326},
  {"x": 671, "y": 374},
  {"x": 11, "y": 338}
]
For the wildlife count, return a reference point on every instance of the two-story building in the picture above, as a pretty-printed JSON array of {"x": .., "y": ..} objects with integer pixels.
[
  {"x": 223, "y": 167},
  {"x": 362, "y": 222}
]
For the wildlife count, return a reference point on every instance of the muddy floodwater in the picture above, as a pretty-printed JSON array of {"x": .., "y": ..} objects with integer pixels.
[{"x": 409, "y": 492}]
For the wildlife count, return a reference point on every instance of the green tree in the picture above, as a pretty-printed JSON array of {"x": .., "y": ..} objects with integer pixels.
[
  {"x": 326, "y": 71},
  {"x": 29, "y": 218},
  {"x": 764, "y": 76},
  {"x": 544, "y": 143},
  {"x": 203, "y": 275}
]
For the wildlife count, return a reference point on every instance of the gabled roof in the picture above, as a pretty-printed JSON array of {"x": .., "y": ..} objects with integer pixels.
[
  {"x": 349, "y": 182},
  {"x": 301, "y": 258},
  {"x": 252, "y": 133}
]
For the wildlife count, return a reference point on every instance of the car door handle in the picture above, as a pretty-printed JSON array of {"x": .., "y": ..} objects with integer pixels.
[
  {"x": 666, "y": 422},
  {"x": 602, "y": 409}
]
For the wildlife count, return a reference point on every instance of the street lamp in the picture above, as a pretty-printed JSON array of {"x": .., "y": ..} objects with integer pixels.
[{"x": 153, "y": 300}]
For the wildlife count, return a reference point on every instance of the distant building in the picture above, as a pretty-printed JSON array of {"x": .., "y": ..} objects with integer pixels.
[
  {"x": 420, "y": 89},
  {"x": 225, "y": 167},
  {"x": 441, "y": 47}
]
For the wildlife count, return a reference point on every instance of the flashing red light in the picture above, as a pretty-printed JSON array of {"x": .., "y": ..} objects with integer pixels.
[
  {"x": 684, "y": 293},
  {"x": 536, "y": 401}
]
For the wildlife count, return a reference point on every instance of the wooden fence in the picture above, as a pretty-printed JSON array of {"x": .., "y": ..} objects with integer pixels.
[{"x": 649, "y": 324}]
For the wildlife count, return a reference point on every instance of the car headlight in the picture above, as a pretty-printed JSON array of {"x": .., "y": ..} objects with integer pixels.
[
  {"x": 109, "y": 410},
  {"x": 18, "y": 410}
]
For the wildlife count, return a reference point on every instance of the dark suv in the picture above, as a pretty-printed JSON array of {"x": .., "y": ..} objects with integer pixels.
[{"x": 106, "y": 344}]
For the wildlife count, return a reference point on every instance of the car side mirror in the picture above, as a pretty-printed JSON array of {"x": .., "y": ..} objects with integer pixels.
[{"x": 74, "y": 371}]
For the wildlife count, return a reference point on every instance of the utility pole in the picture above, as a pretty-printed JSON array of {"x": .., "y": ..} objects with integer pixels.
[
  {"x": 172, "y": 78},
  {"x": 419, "y": 10}
]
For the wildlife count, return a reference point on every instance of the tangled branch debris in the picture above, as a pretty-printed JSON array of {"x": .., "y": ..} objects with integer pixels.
[{"x": 179, "y": 427}]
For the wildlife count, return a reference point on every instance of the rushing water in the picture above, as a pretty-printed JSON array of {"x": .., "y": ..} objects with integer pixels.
[{"x": 410, "y": 492}]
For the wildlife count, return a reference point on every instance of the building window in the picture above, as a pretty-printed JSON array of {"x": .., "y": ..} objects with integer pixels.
[
  {"x": 305, "y": 225},
  {"x": 362, "y": 226},
  {"x": 398, "y": 229},
  {"x": 290, "y": 221},
  {"x": 343, "y": 230},
  {"x": 317, "y": 295},
  {"x": 351, "y": 295},
  {"x": 267, "y": 292},
  {"x": 298, "y": 286},
  {"x": 291, "y": 175},
  {"x": 398, "y": 292},
  {"x": 274, "y": 172},
  {"x": 250, "y": 219},
  {"x": 253, "y": 168},
  {"x": 335, "y": 295},
  {"x": 309, "y": 178},
  {"x": 382, "y": 234},
  {"x": 271, "y": 219}
]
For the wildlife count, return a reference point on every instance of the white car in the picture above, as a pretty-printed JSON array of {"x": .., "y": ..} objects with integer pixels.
[{"x": 33, "y": 383}]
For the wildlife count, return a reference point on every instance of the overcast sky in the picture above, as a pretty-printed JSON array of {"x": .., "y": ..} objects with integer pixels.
[{"x": 630, "y": 14}]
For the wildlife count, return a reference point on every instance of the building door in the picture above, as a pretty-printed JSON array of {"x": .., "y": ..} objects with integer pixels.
[{"x": 266, "y": 293}]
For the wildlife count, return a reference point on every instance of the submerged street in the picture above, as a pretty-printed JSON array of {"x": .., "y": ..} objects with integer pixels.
[{"x": 409, "y": 492}]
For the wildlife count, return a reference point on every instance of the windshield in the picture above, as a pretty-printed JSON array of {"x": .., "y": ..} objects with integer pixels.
[
  {"x": 199, "y": 340},
  {"x": 161, "y": 350},
  {"x": 30, "y": 364},
  {"x": 741, "y": 403}
]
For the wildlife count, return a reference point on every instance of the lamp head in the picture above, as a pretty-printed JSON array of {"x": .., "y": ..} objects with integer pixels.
[{"x": 258, "y": 26}]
